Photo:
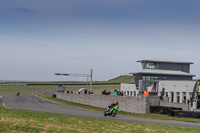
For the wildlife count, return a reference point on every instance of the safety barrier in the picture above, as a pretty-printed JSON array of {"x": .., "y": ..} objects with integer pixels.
[
  {"x": 176, "y": 112},
  {"x": 186, "y": 114},
  {"x": 164, "y": 110},
  {"x": 12, "y": 84}
]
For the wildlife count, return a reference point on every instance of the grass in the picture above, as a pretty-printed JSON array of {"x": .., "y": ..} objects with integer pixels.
[
  {"x": 43, "y": 87},
  {"x": 21, "y": 121},
  {"x": 31, "y": 87},
  {"x": 150, "y": 116},
  {"x": 16, "y": 93},
  {"x": 99, "y": 91},
  {"x": 123, "y": 79}
]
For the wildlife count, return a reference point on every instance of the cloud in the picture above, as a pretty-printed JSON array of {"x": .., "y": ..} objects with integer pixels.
[{"x": 27, "y": 11}]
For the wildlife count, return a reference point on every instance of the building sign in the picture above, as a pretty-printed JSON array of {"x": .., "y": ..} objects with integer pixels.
[{"x": 195, "y": 91}]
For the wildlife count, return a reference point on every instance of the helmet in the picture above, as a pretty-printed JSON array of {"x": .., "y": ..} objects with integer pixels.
[{"x": 116, "y": 102}]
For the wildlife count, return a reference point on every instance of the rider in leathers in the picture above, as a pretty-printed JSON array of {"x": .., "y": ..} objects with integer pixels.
[{"x": 116, "y": 103}]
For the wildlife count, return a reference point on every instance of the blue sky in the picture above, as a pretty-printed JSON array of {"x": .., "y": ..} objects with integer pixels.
[{"x": 39, "y": 38}]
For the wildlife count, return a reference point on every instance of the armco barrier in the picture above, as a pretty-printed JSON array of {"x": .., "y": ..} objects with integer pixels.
[{"x": 126, "y": 103}]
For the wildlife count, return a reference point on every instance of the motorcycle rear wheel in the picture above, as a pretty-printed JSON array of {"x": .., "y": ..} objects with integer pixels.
[{"x": 105, "y": 113}]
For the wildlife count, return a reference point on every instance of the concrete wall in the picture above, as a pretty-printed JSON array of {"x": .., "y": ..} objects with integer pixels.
[
  {"x": 184, "y": 106},
  {"x": 165, "y": 102},
  {"x": 129, "y": 89},
  {"x": 177, "y": 86},
  {"x": 126, "y": 103}
]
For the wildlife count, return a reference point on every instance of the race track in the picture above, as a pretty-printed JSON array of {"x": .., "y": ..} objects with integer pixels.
[{"x": 28, "y": 102}]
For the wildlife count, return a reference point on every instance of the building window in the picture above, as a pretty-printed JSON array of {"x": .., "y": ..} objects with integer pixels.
[
  {"x": 150, "y": 65},
  {"x": 152, "y": 78}
]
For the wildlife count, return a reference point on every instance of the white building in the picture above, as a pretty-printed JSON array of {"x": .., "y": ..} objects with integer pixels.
[{"x": 169, "y": 78}]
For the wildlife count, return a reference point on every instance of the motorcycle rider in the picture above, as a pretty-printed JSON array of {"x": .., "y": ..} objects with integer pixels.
[{"x": 111, "y": 107}]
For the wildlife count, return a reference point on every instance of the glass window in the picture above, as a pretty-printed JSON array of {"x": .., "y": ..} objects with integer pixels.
[
  {"x": 143, "y": 65},
  {"x": 150, "y": 65},
  {"x": 152, "y": 78}
]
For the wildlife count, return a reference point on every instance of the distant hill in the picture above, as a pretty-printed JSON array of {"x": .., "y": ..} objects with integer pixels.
[
  {"x": 122, "y": 79},
  {"x": 7, "y": 81}
]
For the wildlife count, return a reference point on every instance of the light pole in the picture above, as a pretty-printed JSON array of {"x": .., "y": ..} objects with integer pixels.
[
  {"x": 79, "y": 75},
  {"x": 91, "y": 81}
]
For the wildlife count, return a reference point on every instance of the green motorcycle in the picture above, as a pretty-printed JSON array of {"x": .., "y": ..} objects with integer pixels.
[{"x": 111, "y": 111}]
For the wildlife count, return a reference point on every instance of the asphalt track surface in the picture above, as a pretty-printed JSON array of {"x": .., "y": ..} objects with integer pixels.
[{"x": 28, "y": 102}]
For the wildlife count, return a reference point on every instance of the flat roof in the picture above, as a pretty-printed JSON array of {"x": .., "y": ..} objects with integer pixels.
[
  {"x": 165, "y": 61},
  {"x": 162, "y": 72}
]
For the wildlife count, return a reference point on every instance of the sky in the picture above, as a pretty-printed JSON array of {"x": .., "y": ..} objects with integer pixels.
[{"x": 41, "y": 37}]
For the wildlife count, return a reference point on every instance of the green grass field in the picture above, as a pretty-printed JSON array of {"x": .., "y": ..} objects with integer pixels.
[
  {"x": 43, "y": 87},
  {"x": 31, "y": 87},
  {"x": 123, "y": 79},
  {"x": 21, "y": 121}
]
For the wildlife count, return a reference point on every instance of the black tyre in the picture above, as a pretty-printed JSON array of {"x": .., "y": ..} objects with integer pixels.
[
  {"x": 105, "y": 113},
  {"x": 114, "y": 114}
]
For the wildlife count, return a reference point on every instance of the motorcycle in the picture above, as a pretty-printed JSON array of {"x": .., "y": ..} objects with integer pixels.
[{"x": 111, "y": 111}]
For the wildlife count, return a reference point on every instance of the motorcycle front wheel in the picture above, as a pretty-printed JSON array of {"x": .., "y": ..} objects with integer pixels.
[{"x": 114, "y": 114}]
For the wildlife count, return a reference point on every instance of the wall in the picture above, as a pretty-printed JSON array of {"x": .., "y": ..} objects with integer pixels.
[
  {"x": 165, "y": 102},
  {"x": 184, "y": 106},
  {"x": 129, "y": 89},
  {"x": 177, "y": 86},
  {"x": 175, "y": 66},
  {"x": 126, "y": 103}
]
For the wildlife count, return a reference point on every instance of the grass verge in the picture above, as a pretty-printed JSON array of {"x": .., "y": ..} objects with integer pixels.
[{"x": 12, "y": 120}]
